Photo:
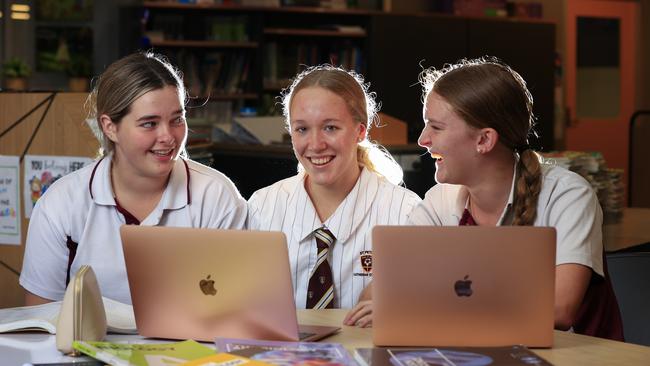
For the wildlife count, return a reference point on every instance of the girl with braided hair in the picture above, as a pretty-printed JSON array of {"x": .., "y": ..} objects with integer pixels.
[{"x": 477, "y": 119}]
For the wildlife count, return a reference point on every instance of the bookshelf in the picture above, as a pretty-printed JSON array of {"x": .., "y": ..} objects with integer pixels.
[{"x": 243, "y": 56}]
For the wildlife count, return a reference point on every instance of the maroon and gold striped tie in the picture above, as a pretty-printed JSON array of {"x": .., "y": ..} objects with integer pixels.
[{"x": 320, "y": 293}]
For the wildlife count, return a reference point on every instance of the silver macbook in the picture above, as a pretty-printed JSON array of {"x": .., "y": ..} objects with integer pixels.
[
  {"x": 205, "y": 283},
  {"x": 463, "y": 286}
]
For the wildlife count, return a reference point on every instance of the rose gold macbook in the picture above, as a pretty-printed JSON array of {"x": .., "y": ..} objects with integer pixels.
[
  {"x": 205, "y": 283},
  {"x": 463, "y": 286}
]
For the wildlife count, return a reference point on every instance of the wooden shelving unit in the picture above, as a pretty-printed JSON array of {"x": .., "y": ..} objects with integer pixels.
[
  {"x": 313, "y": 33},
  {"x": 204, "y": 44}
]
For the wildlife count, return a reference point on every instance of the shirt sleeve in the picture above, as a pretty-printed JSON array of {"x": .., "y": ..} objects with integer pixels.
[
  {"x": 45, "y": 262},
  {"x": 573, "y": 209},
  {"x": 223, "y": 207},
  {"x": 411, "y": 200},
  {"x": 426, "y": 212},
  {"x": 254, "y": 209}
]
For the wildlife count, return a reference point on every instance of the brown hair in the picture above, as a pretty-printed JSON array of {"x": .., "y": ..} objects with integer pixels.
[
  {"x": 362, "y": 106},
  {"x": 124, "y": 81},
  {"x": 486, "y": 92}
]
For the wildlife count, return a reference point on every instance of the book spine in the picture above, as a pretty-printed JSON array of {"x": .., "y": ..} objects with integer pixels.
[{"x": 98, "y": 354}]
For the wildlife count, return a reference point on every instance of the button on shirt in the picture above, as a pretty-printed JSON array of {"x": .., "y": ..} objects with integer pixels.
[
  {"x": 285, "y": 206},
  {"x": 81, "y": 206},
  {"x": 566, "y": 202}
]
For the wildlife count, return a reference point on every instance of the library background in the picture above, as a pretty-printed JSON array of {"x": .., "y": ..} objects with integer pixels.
[{"x": 579, "y": 60}]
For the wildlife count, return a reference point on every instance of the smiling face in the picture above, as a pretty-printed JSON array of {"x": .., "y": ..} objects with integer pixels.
[
  {"x": 449, "y": 140},
  {"x": 151, "y": 136},
  {"x": 325, "y": 137}
]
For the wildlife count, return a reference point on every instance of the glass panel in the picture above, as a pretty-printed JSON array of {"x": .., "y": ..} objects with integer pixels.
[{"x": 598, "y": 76}]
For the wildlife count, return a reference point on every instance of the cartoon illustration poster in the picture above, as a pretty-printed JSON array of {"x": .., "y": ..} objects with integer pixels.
[
  {"x": 9, "y": 200},
  {"x": 42, "y": 171}
]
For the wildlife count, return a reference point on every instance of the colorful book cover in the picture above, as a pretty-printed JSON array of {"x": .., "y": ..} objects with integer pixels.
[
  {"x": 287, "y": 353},
  {"x": 131, "y": 354},
  {"x": 448, "y": 356},
  {"x": 225, "y": 359}
]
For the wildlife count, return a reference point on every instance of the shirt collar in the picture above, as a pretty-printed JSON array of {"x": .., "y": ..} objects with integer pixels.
[
  {"x": 348, "y": 215},
  {"x": 176, "y": 195},
  {"x": 99, "y": 185}
]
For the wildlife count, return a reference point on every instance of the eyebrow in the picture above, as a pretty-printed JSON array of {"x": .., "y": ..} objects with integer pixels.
[{"x": 155, "y": 116}]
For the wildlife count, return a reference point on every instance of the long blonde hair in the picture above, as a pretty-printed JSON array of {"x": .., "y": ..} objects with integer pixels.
[
  {"x": 124, "y": 81},
  {"x": 362, "y": 106},
  {"x": 485, "y": 92}
]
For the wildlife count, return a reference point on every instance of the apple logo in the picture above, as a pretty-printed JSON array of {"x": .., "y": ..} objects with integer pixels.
[
  {"x": 207, "y": 286},
  {"x": 463, "y": 287}
]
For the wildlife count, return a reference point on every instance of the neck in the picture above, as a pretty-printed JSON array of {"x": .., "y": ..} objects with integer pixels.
[
  {"x": 128, "y": 184},
  {"x": 326, "y": 199},
  {"x": 489, "y": 192}
]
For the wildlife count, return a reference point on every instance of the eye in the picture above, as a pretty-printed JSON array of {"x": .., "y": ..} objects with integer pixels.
[
  {"x": 299, "y": 129},
  {"x": 435, "y": 127},
  {"x": 331, "y": 128},
  {"x": 148, "y": 124},
  {"x": 179, "y": 120}
]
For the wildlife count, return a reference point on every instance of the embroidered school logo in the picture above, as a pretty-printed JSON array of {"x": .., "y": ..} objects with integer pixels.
[{"x": 365, "y": 257}]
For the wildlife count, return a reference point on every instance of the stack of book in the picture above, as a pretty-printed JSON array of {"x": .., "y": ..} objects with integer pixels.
[{"x": 607, "y": 182}]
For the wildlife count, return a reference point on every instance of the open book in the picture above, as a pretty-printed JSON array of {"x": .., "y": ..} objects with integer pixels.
[{"x": 43, "y": 317}]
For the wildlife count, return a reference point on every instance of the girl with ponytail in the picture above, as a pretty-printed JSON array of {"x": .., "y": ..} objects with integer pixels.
[
  {"x": 345, "y": 185},
  {"x": 478, "y": 115}
]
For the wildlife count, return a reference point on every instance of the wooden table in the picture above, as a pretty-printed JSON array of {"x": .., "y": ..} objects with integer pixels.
[
  {"x": 569, "y": 348},
  {"x": 632, "y": 230}
]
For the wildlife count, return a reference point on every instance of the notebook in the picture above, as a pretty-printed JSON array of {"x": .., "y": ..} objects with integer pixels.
[
  {"x": 463, "y": 286},
  {"x": 201, "y": 284}
]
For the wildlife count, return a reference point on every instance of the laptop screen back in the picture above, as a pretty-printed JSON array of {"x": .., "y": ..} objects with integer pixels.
[
  {"x": 204, "y": 283},
  {"x": 463, "y": 286}
]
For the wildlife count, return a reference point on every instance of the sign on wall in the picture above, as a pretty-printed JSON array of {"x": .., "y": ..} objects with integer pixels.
[
  {"x": 42, "y": 171},
  {"x": 9, "y": 200}
]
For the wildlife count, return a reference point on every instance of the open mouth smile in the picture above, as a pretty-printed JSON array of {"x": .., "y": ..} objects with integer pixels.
[
  {"x": 321, "y": 160},
  {"x": 166, "y": 152}
]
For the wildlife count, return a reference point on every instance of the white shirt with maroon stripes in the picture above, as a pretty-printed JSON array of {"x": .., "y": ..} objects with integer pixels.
[
  {"x": 285, "y": 206},
  {"x": 81, "y": 206}
]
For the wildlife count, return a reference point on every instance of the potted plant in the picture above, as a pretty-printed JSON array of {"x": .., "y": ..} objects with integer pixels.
[
  {"x": 79, "y": 71},
  {"x": 15, "y": 73}
]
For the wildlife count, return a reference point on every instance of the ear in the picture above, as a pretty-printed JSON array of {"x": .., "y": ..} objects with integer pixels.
[
  {"x": 108, "y": 127},
  {"x": 363, "y": 130},
  {"x": 486, "y": 140}
]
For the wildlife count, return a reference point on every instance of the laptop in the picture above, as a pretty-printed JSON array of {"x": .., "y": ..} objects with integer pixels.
[
  {"x": 200, "y": 284},
  {"x": 463, "y": 286}
]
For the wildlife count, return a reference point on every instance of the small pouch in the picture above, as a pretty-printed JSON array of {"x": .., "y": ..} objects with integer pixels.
[{"x": 82, "y": 316}]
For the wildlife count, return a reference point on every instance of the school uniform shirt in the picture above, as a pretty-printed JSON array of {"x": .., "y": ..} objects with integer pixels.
[
  {"x": 80, "y": 211},
  {"x": 566, "y": 202},
  {"x": 285, "y": 206}
]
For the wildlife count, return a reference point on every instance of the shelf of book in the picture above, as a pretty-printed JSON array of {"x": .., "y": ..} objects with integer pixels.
[
  {"x": 314, "y": 32},
  {"x": 204, "y": 44}
]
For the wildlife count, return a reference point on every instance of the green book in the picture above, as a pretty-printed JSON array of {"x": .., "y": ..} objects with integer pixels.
[{"x": 144, "y": 354}]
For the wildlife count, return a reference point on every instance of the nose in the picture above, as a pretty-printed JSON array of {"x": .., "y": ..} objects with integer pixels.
[
  {"x": 317, "y": 141},
  {"x": 424, "y": 140},
  {"x": 164, "y": 133}
]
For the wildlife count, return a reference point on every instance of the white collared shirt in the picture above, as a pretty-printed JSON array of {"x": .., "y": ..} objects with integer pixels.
[
  {"x": 80, "y": 207},
  {"x": 566, "y": 202},
  {"x": 285, "y": 206}
]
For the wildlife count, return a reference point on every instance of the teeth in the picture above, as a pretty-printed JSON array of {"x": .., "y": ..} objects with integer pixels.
[
  {"x": 320, "y": 161},
  {"x": 436, "y": 156},
  {"x": 162, "y": 152}
]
